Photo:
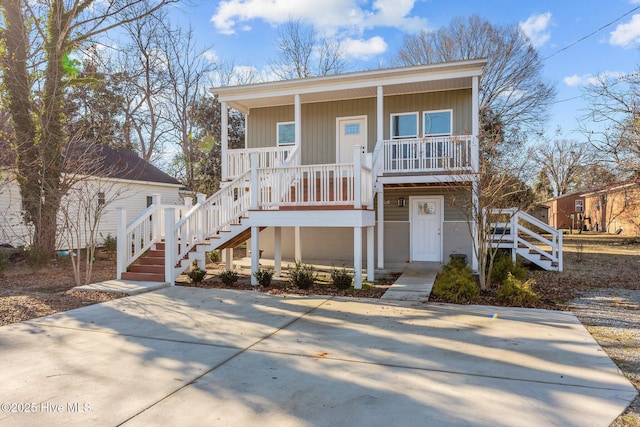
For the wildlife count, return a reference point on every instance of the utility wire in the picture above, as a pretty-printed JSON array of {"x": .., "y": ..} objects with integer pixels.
[{"x": 591, "y": 34}]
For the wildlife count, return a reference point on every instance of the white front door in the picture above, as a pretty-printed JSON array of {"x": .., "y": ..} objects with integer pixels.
[
  {"x": 426, "y": 229},
  {"x": 351, "y": 131}
]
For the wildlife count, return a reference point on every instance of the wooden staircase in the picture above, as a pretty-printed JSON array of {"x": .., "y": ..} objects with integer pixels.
[{"x": 149, "y": 267}]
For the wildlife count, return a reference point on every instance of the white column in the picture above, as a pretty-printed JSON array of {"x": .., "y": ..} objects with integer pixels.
[
  {"x": 277, "y": 251},
  {"x": 297, "y": 244},
  {"x": 227, "y": 256},
  {"x": 380, "y": 115},
  {"x": 255, "y": 254},
  {"x": 253, "y": 185},
  {"x": 170, "y": 245},
  {"x": 297, "y": 117},
  {"x": 224, "y": 138},
  {"x": 370, "y": 262},
  {"x": 357, "y": 257},
  {"x": 156, "y": 200},
  {"x": 380, "y": 211},
  {"x": 357, "y": 176},
  {"x": 475, "y": 123},
  {"x": 121, "y": 241}
]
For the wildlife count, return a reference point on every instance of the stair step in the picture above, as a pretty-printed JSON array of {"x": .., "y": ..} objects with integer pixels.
[
  {"x": 147, "y": 260},
  {"x": 143, "y": 277},
  {"x": 155, "y": 253},
  {"x": 137, "y": 268}
]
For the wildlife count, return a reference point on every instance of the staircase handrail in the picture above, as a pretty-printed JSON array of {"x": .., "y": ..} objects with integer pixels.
[{"x": 206, "y": 219}]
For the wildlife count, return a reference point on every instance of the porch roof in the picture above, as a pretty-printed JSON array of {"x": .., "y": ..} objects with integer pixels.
[{"x": 362, "y": 84}]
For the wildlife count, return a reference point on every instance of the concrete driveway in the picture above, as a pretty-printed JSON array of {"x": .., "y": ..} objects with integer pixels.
[{"x": 187, "y": 356}]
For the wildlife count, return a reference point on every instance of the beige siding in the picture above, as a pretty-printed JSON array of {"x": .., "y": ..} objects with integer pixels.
[
  {"x": 453, "y": 202},
  {"x": 319, "y": 120},
  {"x": 459, "y": 101}
]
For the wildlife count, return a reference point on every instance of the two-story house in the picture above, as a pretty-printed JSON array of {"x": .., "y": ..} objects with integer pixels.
[{"x": 363, "y": 167}]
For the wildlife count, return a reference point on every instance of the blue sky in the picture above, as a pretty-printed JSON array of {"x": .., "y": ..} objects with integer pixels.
[{"x": 244, "y": 31}]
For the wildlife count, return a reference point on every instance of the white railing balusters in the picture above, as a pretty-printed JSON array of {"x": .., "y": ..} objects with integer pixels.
[
  {"x": 433, "y": 154},
  {"x": 238, "y": 160}
]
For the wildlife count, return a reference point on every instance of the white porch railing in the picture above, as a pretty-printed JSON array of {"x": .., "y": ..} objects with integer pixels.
[
  {"x": 317, "y": 185},
  {"x": 138, "y": 236},
  {"x": 519, "y": 234},
  {"x": 238, "y": 161},
  {"x": 418, "y": 155}
]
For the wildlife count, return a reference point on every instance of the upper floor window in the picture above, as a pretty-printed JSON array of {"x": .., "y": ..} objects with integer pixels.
[
  {"x": 286, "y": 133},
  {"x": 437, "y": 123},
  {"x": 579, "y": 205},
  {"x": 404, "y": 125}
]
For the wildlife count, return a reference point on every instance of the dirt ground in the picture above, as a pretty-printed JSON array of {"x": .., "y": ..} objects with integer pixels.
[{"x": 601, "y": 274}]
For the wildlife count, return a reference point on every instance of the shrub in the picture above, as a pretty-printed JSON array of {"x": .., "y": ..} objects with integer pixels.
[
  {"x": 456, "y": 284},
  {"x": 36, "y": 257},
  {"x": 514, "y": 292},
  {"x": 302, "y": 276},
  {"x": 110, "y": 245},
  {"x": 503, "y": 266},
  {"x": 228, "y": 277},
  {"x": 196, "y": 275},
  {"x": 214, "y": 255},
  {"x": 264, "y": 277},
  {"x": 342, "y": 279},
  {"x": 5, "y": 262}
]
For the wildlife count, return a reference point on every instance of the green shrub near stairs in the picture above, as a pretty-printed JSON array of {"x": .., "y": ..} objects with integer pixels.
[
  {"x": 515, "y": 292},
  {"x": 301, "y": 275},
  {"x": 264, "y": 276},
  {"x": 196, "y": 275},
  {"x": 229, "y": 277},
  {"x": 456, "y": 284},
  {"x": 503, "y": 266}
]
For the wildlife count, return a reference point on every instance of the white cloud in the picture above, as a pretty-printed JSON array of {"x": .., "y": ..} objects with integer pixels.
[
  {"x": 326, "y": 16},
  {"x": 626, "y": 35},
  {"x": 211, "y": 56},
  {"x": 364, "y": 49},
  {"x": 536, "y": 28},
  {"x": 589, "y": 79}
]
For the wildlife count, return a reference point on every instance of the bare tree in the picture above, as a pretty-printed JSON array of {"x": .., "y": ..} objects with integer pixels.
[
  {"x": 612, "y": 120},
  {"x": 303, "y": 54},
  {"x": 513, "y": 95},
  {"x": 37, "y": 69},
  {"x": 564, "y": 162},
  {"x": 188, "y": 72}
]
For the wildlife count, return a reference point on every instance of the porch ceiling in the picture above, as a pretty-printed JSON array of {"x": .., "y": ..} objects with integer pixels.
[{"x": 397, "y": 81}]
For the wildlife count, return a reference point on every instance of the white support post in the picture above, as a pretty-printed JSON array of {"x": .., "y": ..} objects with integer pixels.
[
  {"x": 357, "y": 257},
  {"x": 357, "y": 176},
  {"x": 380, "y": 115},
  {"x": 277, "y": 255},
  {"x": 255, "y": 254},
  {"x": 370, "y": 262},
  {"x": 513, "y": 229},
  {"x": 253, "y": 158},
  {"x": 170, "y": 245},
  {"x": 560, "y": 251},
  {"x": 224, "y": 138},
  {"x": 380, "y": 224},
  {"x": 202, "y": 218},
  {"x": 297, "y": 117},
  {"x": 476, "y": 215},
  {"x": 121, "y": 241},
  {"x": 475, "y": 124},
  {"x": 227, "y": 255},
  {"x": 156, "y": 226},
  {"x": 297, "y": 244}
]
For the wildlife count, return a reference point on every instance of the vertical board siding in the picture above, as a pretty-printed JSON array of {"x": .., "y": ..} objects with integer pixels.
[
  {"x": 319, "y": 120},
  {"x": 454, "y": 199}
]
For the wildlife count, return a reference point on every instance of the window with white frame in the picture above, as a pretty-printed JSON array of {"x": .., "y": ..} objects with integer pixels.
[
  {"x": 437, "y": 123},
  {"x": 286, "y": 133},
  {"x": 579, "y": 205},
  {"x": 404, "y": 125}
]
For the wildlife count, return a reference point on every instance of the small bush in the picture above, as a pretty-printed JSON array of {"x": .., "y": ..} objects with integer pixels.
[
  {"x": 264, "y": 277},
  {"x": 302, "y": 276},
  {"x": 503, "y": 266},
  {"x": 214, "y": 255},
  {"x": 228, "y": 277},
  {"x": 36, "y": 257},
  {"x": 341, "y": 279},
  {"x": 515, "y": 292},
  {"x": 110, "y": 245},
  {"x": 5, "y": 261},
  {"x": 196, "y": 275},
  {"x": 456, "y": 284}
]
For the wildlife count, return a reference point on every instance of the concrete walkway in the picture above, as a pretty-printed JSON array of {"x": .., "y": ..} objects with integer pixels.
[
  {"x": 189, "y": 356},
  {"x": 415, "y": 283}
]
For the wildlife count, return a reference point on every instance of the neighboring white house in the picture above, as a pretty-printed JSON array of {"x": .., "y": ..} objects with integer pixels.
[{"x": 110, "y": 176}]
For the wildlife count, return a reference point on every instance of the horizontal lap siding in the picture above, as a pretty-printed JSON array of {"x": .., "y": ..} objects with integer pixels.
[{"x": 454, "y": 200}]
